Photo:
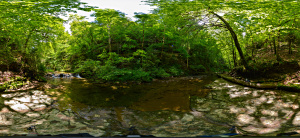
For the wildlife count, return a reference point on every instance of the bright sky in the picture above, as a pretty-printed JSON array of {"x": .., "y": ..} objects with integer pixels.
[{"x": 126, "y": 6}]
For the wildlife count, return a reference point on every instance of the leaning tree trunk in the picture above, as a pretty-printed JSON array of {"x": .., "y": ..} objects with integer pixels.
[
  {"x": 109, "y": 40},
  {"x": 234, "y": 37},
  {"x": 290, "y": 44},
  {"x": 233, "y": 55}
]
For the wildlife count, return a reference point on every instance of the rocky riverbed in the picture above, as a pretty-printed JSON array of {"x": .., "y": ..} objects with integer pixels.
[{"x": 197, "y": 112}]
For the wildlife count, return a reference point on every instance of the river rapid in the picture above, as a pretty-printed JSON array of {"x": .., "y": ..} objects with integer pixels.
[{"x": 174, "y": 107}]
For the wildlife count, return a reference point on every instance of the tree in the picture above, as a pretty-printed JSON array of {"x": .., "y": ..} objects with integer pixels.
[
  {"x": 244, "y": 13},
  {"x": 108, "y": 18},
  {"x": 28, "y": 27},
  {"x": 142, "y": 18}
]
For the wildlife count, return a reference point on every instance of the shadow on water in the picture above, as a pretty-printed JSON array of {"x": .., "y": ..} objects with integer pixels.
[{"x": 181, "y": 107}]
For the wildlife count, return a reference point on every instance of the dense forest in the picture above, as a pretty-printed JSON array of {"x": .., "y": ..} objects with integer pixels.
[{"x": 179, "y": 37}]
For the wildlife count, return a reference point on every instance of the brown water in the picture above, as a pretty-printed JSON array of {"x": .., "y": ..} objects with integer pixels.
[{"x": 163, "y": 108}]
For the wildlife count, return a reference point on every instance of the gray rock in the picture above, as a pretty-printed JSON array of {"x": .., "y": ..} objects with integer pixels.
[
  {"x": 11, "y": 102},
  {"x": 25, "y": 99},
  {"x": 4, "y": 121},
  {"x": 20, "y": 108},
  {"x": 7, "y": 95},
  {"x": 187, "y": 118},
  {"x": 33, "y": 114},
  {"x": 4, "y": 110},
  {"x": 39, "y": 107},
  {"x": 37, "y": 92}
]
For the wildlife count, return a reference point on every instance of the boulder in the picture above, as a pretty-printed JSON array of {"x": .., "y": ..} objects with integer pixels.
[
  {"x": 11, "y": 102},
  {"x": 25, "y": 99},
  {"x": 22, "y": 108}
]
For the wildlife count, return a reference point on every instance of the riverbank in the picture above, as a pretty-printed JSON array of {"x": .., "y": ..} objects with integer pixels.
[
  {"x": 283, "y": 76},
  {"x": 11, "y": 81}
]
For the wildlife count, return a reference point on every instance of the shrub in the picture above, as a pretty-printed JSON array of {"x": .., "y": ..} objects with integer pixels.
[
  {"x": 175, "y": 71},
  {"x": 111, "y": 73},
  {"x": 140, "y": 75},
  {"x": 88, "y": 68},
  {"x": 159, "y": 73},
  {"x": 198, "y": 68}
]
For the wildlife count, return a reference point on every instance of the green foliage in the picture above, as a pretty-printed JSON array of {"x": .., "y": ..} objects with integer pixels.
[
  {"x": 177, "y": 38},
  {"x": 29, "y": 31},
  {"x": 109, "y": 72},
  {"x": 151, "y": 47},
  {"x": 88, "y": 68},
  {"x": 174, "y": 71},
  {"x": 41, "y": 68},
  {"x": 3, "y": 87},
  {"x": 13, "y": 83},
  {"x": 198, "y": 68},
  {"x": 159, "y": 73}
]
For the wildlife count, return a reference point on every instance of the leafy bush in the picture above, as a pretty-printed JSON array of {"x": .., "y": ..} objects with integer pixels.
[
  {"x": 159, "y": 73},
  {"x": 140, "y": 75},
  {"x": 198, "y": 68},
  {"x": 175, "y": 71},
  {"x": 111, "y": 73},
  {"x": 107, "y": 72},
  {"x": 3, "y": 87},
  {"x": 88, "y": 68}
]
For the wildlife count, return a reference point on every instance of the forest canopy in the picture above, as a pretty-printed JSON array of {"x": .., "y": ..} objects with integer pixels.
[{"x": 179, "y": 37}]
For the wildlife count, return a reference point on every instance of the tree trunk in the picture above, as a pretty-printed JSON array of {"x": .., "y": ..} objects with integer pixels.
[
  {"x": 109, "y": 38},
  {"x": 278, "y": 41},
  {"x": 236, "y": 42},
  {"x": 162, "y": 49},
  {"x": 233, "y": 55},
  {"x": 274, "y": 45},
  {"x": 143, "y": 36},
  {"x": 290, "y": 44},
  {"x": 187, "y": 62},
  {"x": 270, "y": 43},
  {"x": 27, "y": 39},
  {"x": 290, "y": 39},
  {"x": 253, "y": 47},
  {"x": 276, "y": 50}
]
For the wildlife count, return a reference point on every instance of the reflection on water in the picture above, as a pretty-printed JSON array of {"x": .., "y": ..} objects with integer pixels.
[
  {"x": 173, "y": 94},
  {"x": 164, "y": 108}
]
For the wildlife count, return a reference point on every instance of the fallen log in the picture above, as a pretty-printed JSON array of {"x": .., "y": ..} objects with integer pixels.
[
  {"x": 249, "y": 84},
  {"x": 280, "y": 86}
]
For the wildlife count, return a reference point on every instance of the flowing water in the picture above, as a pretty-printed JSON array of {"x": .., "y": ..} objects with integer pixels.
[{"x": 180, "y": 107}]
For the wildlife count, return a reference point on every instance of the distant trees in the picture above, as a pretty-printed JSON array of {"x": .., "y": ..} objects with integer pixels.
[{"x": 152, "y": 46}]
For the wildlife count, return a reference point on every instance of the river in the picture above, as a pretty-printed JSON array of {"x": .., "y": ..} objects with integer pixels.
[{"x": 174, "y": 107}]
